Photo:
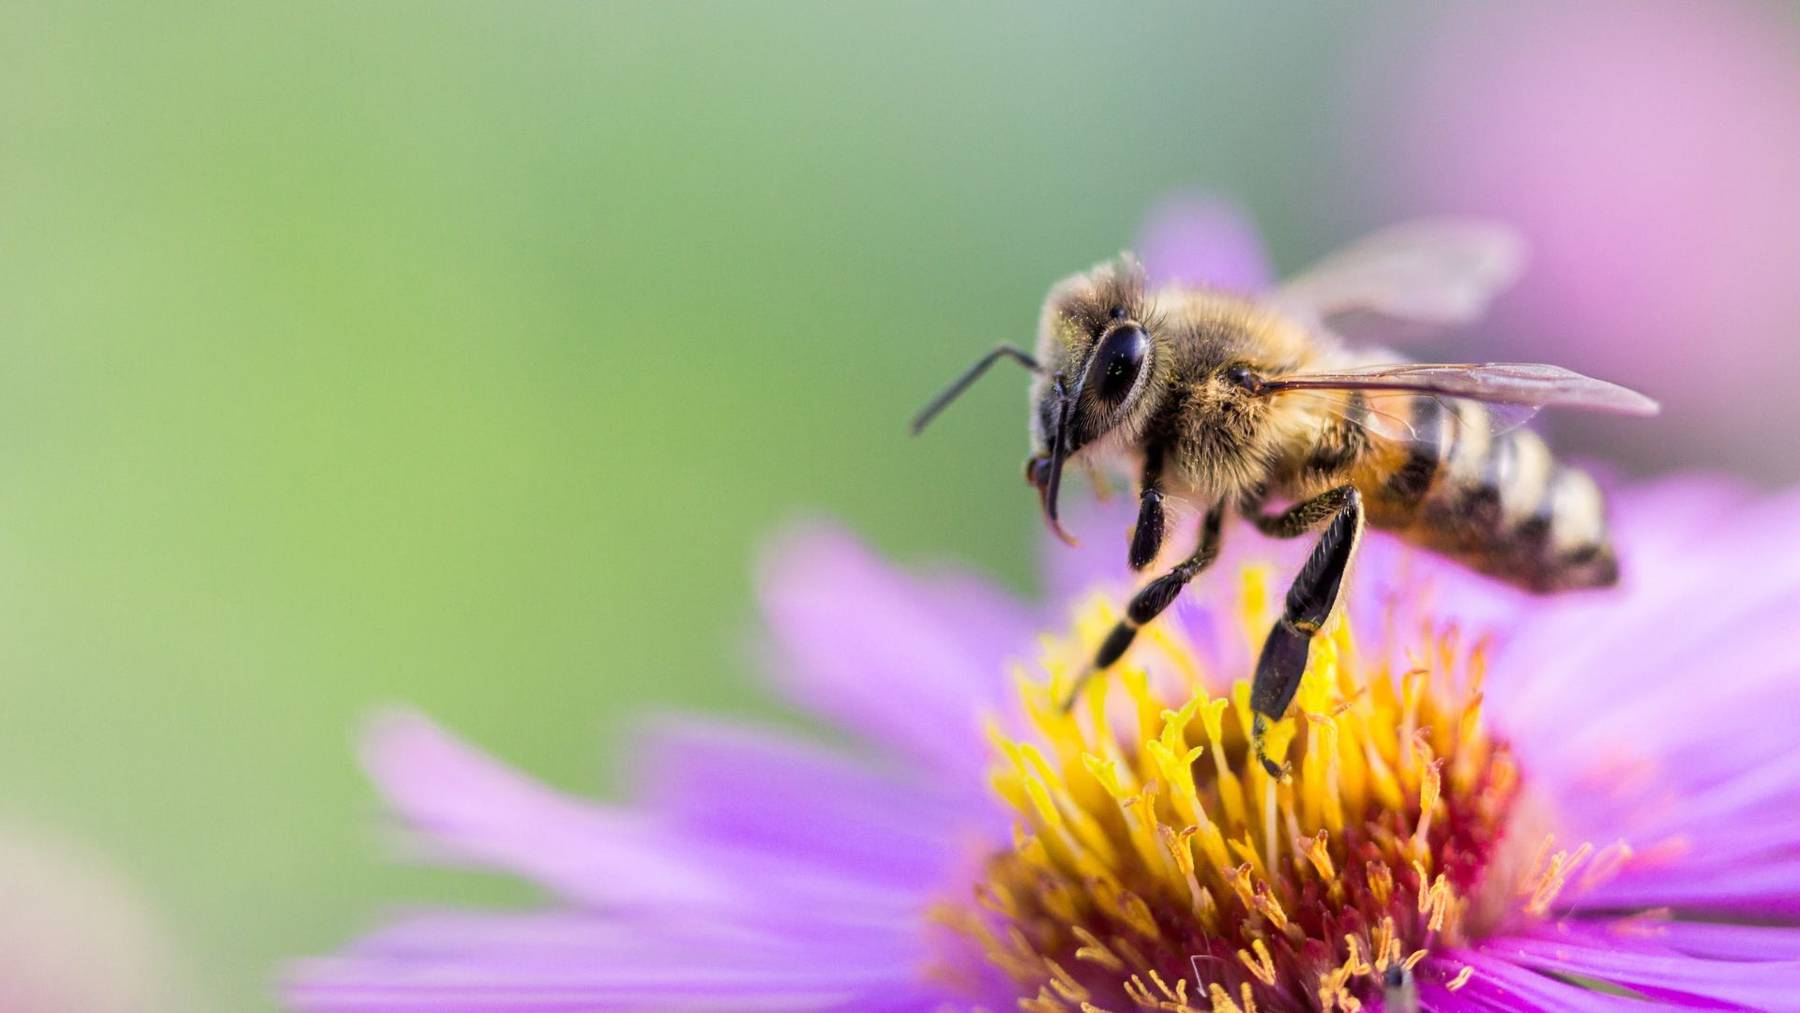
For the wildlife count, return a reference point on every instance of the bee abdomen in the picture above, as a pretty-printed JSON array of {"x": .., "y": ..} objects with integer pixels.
[
  {"x": 1502, "y": 504},
  {"x": 1434, "y": 428},
  {"x": 1565, "y": 543}
]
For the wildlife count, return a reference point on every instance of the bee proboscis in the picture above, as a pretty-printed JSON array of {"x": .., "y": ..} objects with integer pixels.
[{"x": 1254, "y": 406}]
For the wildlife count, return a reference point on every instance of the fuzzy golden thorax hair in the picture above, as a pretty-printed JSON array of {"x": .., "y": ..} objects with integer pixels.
[{"x": 1221, "y": 442}]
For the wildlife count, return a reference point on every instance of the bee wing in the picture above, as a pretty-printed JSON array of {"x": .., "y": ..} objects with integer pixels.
[
  {"x": 1428, "y": 274},
  {"x": 1388, "y": 415},
  {"x": 1527, "y": 384}
]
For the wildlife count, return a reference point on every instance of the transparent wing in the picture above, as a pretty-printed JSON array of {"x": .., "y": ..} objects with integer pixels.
[
  {"x": 1527, "y": 384},
  {"x": 1388, "y": 415},
  {"x": 1428, "y": 274}
]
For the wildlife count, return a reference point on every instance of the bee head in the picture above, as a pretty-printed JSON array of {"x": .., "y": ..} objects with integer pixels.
[{"x": 1098, "y": 354}]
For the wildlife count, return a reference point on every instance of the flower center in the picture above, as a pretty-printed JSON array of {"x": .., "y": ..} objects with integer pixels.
[{"x": 1156, "y": 865}]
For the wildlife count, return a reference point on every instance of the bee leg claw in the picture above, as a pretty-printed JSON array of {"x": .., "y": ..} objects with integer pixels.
[
  {"x": 1081, "y": 681},
  {"x": 1259, "y": 725},
  {"x": 1310, "y": 602}
]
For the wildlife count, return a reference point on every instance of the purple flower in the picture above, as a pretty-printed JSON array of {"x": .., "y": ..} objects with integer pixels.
[
  {"x": 1611, "y": 778},
  {"x": 1497, "y": 801}
]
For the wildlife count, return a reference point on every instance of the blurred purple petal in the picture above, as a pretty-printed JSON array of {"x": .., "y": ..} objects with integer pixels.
[
  {"x": 1500, "y": 984},
  {"x": 1200, "y": 239},
  {"x": 583, "y": 962},
  {"x": 1654, "y": 970},
  {"x": 1648, "y": 153},
  {"x": 922, "y": 692},
  {"x": 1769, "y": 888},
  {"x": 475, "y": 809},
  {"x": 1716, "y": 941},
  {"x": 767, "y": 793}
]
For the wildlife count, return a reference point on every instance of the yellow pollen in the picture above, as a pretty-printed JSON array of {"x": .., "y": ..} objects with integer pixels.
[
  {"x": 1605, "y": 865},
  {"x": 1156, "y": 864},
  {"x": 1549, "y": 883},
  {"x": 1094, "y": 950},
  {"x": 1263, "y": 967},
  {"x": 1318, "y": 851},
  {"x": 1380, "y": 882}
]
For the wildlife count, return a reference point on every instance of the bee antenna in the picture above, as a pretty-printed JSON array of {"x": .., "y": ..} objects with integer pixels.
[{"x": 970, "y": 375}]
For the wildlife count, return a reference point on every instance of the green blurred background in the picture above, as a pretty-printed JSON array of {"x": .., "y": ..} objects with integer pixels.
[{"x": 461, "y": 354}]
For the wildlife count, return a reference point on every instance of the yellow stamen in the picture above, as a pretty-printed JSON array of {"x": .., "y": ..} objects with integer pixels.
[
  {"x": 1149, "y": 834},
  {"x": 1547, "y": 886},
  {"x": 1430, "y": 787},
  {"x": 1263, "y": 966},
  {"x": 1095, "y": 951},
  {"x": 1318, "y": 851}
]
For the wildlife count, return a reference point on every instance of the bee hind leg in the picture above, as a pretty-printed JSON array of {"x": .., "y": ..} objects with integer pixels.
[
  {"x": 1150, "y": 602},
  {"x": 1311, "y": 601},
  {"x": 1304, "y": 516}
]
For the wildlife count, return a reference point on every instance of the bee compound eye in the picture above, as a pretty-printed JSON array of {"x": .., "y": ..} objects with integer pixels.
[
  {"x": 1117, "y": 362},
  {"x": 1240, "y": 376}
]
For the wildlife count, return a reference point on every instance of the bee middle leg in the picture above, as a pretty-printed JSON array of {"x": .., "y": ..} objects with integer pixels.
[
  {"x": 1311, "y": 600},
  {"x": 1150, "y": 602}
]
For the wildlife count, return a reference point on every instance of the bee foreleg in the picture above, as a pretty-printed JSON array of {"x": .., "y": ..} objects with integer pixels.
[
  {"x": 1147, "y": 535},
  {"x": 1311, "y": 601},
  {"x": 1150, "y": 602},
  {"x": 1302, "y": 517}
]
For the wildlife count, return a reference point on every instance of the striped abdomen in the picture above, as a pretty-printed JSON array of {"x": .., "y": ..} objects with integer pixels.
[{"x": 1500, "y": 503}]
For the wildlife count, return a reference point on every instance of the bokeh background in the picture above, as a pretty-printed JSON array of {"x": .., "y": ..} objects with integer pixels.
[{"x": 462, "y": 353}]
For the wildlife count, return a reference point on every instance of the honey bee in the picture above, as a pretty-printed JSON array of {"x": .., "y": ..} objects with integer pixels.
[{"x": 1256, "y": 407}]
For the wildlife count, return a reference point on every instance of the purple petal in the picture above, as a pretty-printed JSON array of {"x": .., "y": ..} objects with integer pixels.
[
  {"x": 1716, "y": 941},
  {"x": 1670, "y": 543},
  {"x": 1435, "y": 998},
  {"x": 1768, "y": 887},
  {"x": 770, "y": 794},
  {"x": 1499, "y": 984},
  {"x": 1199, "y": 239},
  {"x": 1618, "y": 703},
  {"x": 469, "y": 808},
  {"x": 629, "y": 946},
  {"x": 1721, "y": 793},
  {"x": 1575, "y": 674},
  {"x": 475, "y": 809},
  {"x": 1639, "y": 963},
  {"x": 573, "y": 961},
  {"x": 908, "y": 662}
]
